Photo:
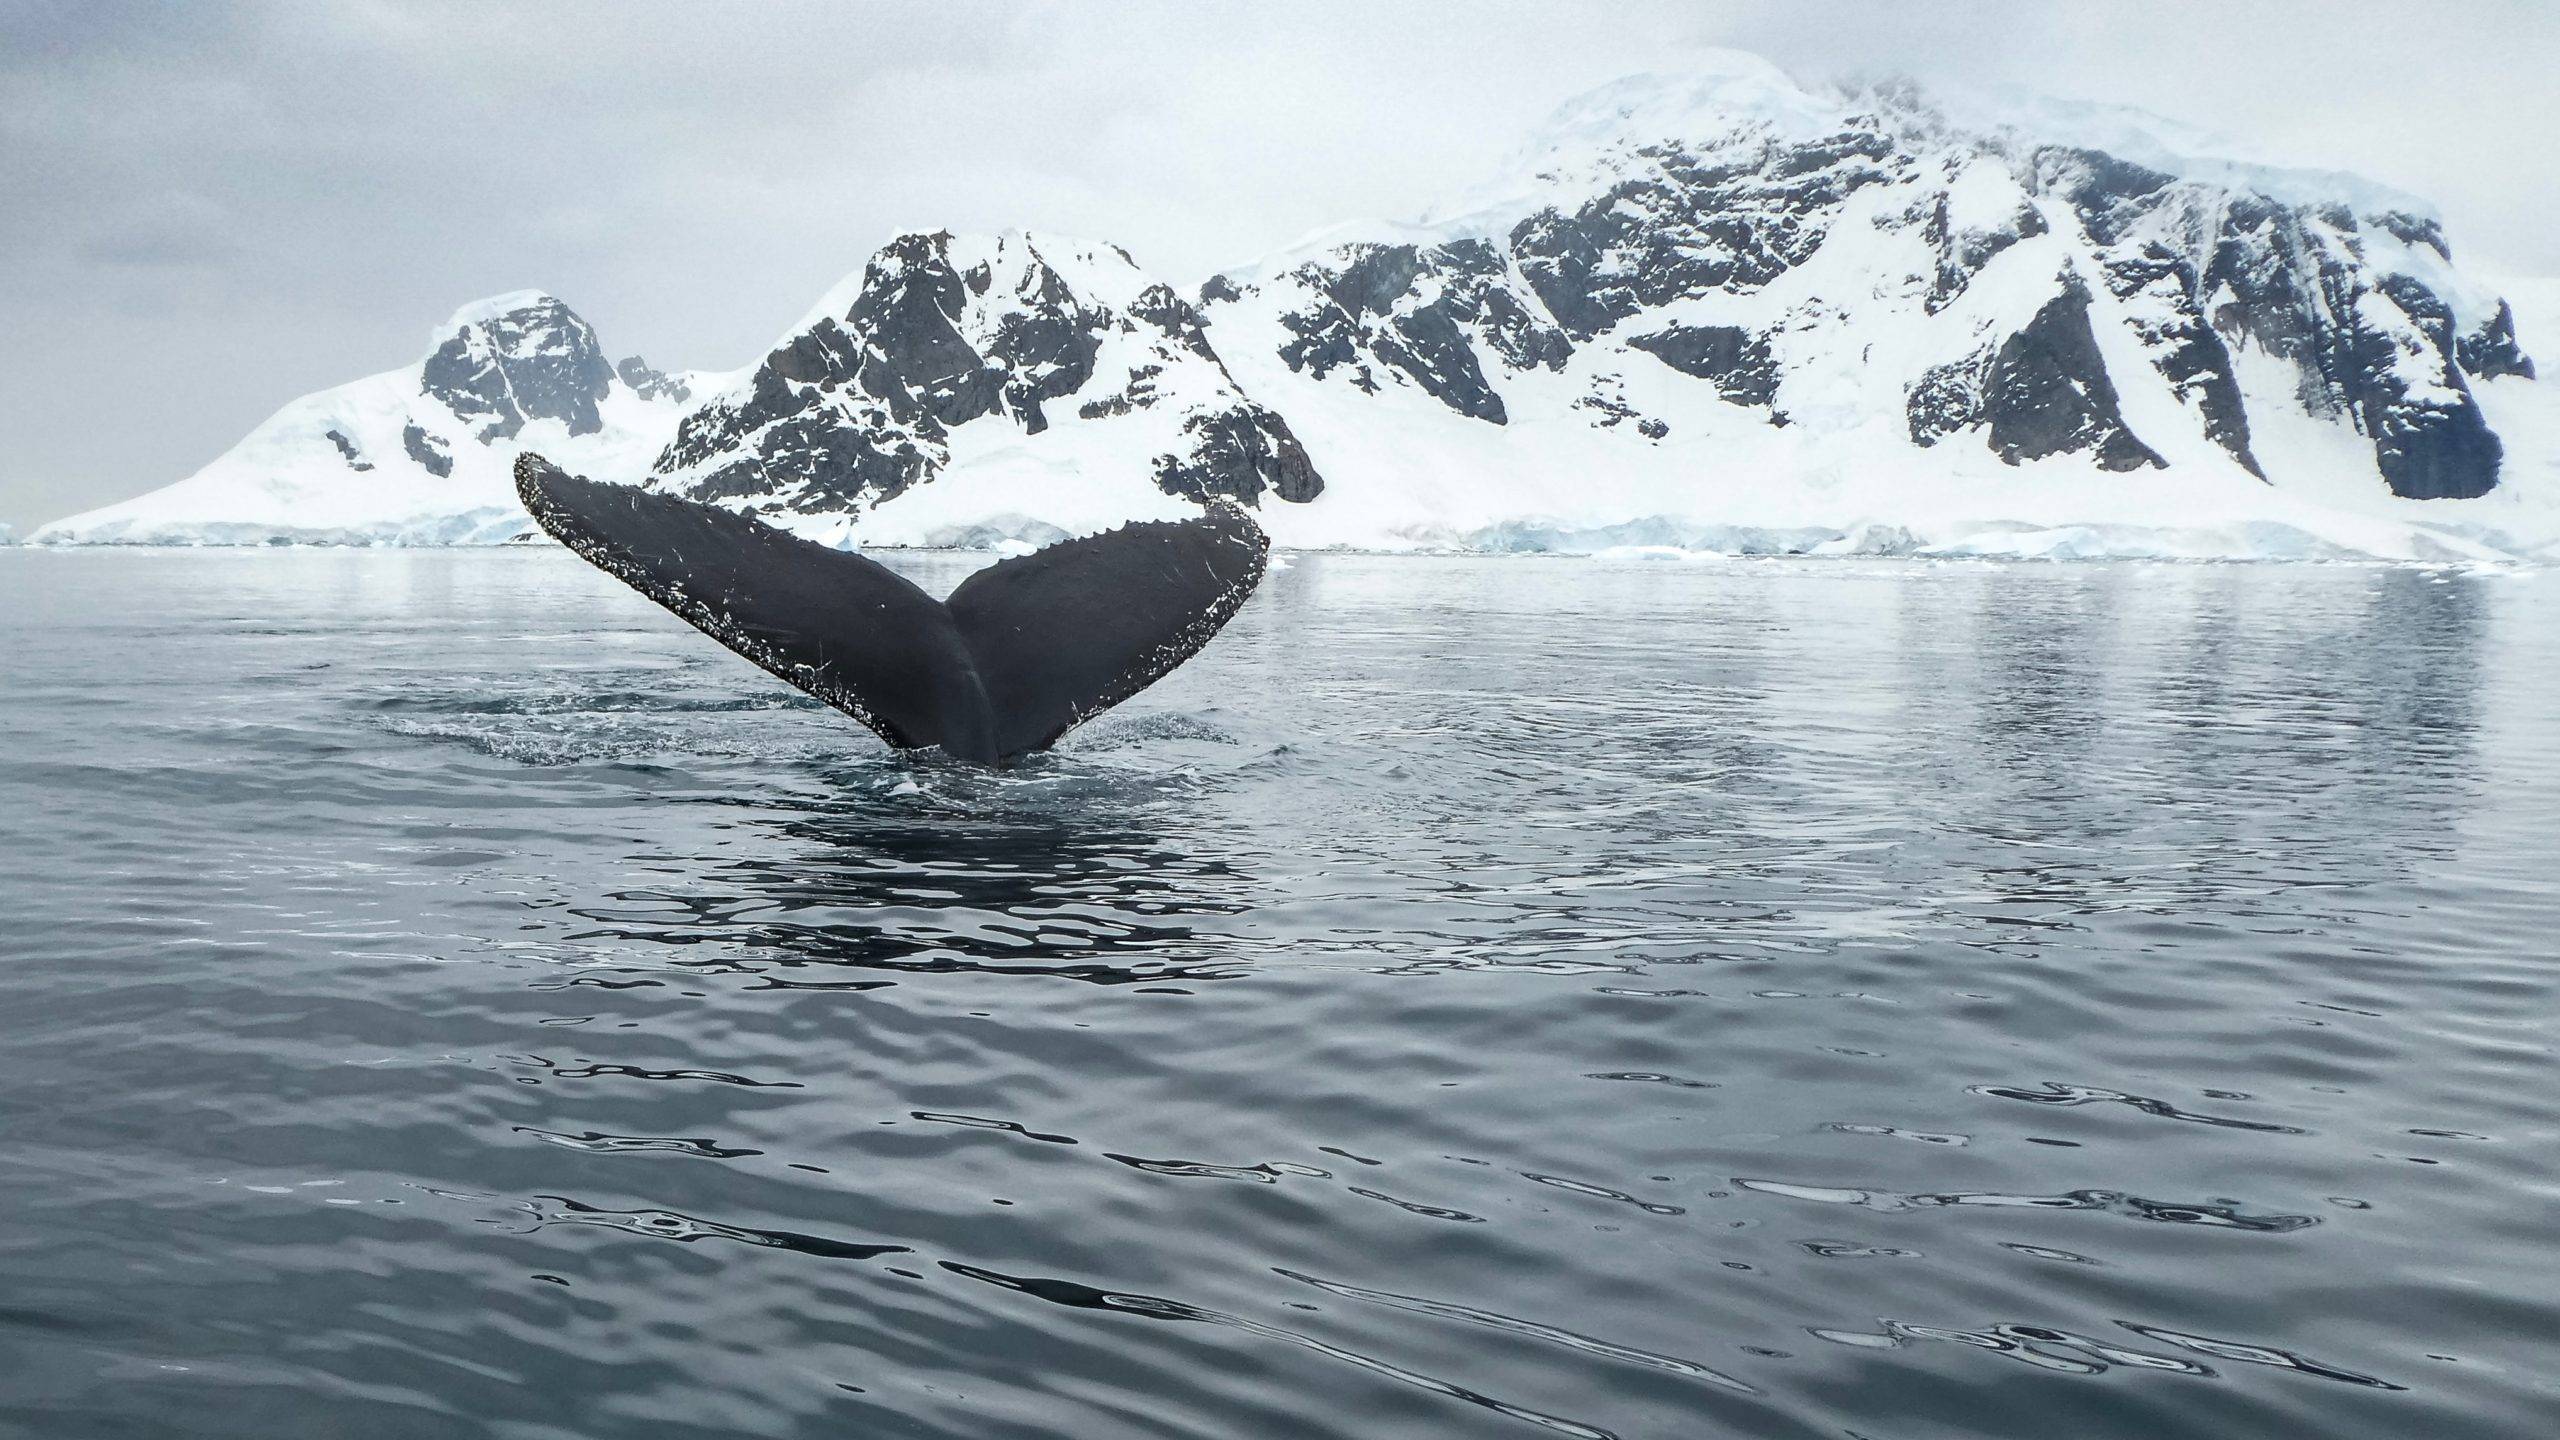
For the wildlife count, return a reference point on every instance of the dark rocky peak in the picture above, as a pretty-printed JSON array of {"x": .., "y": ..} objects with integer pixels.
[
  {"x": 858, "y": 403},
  {"x": 943, "y": 331},
  {"x": 1046, "y": 341},
  {"x": 1372, "y": 279},
  {"x": 515, "y": 358},
  {"x": 2107, "y": 192},
  {"x": 949, "y": 339},
  {"x": 904, "y": 319}
]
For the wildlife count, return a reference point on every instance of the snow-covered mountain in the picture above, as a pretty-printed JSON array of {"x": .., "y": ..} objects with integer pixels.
[
  {"x": 1716, "y": 311},
  {"x": 1725, "y": 311},
  {"x": 420, "y": 455},
  {"x": 961, "y": 389}
]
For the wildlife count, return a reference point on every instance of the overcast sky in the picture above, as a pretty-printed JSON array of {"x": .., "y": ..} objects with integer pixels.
[{"x": 207, "y": 209}]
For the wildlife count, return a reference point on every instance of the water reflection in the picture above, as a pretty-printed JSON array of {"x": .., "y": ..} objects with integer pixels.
[{"x": 838, "y": 884}]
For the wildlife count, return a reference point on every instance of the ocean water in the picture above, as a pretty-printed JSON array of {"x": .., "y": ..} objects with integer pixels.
[{"x": 447, "y": 997}]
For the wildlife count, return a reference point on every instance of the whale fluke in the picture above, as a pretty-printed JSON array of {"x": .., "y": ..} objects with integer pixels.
[{"x": 1022, "y": 652}]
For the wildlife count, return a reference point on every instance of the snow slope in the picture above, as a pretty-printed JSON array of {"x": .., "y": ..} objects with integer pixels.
[{"x": 419, "y": 455}]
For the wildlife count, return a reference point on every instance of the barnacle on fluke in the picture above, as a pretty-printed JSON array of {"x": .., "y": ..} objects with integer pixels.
[{"x": 1022, "y": 652}]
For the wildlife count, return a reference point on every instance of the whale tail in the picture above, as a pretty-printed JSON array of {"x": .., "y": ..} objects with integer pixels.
[{"x": 1022, "y": 652}]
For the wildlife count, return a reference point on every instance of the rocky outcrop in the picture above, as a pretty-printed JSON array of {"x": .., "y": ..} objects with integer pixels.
[
  {"x": 432, "y": 452},
  {"x": 2047, "y": 393},
  {"x": 2490, "y": 350},
  {"x": 518, "y": 358},
  {"x": 1422, "y": 312},
  {"x": 2405, "y": 388},
  {"x": 2315, "y": 284},
  {"x": 651, "y": 384},
  {"x": 348, "y": 452},
  {"x": 1737, "y": 361},
  {"x": 2161, "y": 306},
  {"x": 1240, "y": 454},
  {"x": 1964, "y": 244},
  {"x": 1947, "y": 398},
  {"x": 2043, "y": 392}
]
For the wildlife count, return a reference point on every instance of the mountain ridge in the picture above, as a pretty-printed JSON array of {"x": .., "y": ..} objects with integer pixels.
[{"x": 1717, "y": 310}]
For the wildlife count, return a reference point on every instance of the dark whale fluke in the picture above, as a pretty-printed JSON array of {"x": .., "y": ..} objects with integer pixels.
[{"x": 1022, "y": 652}]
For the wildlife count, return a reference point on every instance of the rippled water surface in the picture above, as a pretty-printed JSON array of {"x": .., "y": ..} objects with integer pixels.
[{"x": 447, "y": 997}]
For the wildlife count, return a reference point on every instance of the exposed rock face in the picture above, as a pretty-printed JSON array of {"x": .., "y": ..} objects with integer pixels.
[
  {"x": 944, "y": 332},
  {"x": 1736, "y": 360},
  {"x": 1684, "y": 223},
  {"x": 650, "y": 384},
  {"x": 1947, "y": 398},
  {"x": 525, "y": 357},
  {"x": 2159, "y": 291},
  {"x": 1422, "y": 312},
  {"x": 348, "y": 452},
  {"x": 2490, "y": 350},
  {"x": 2408, "y": 392},
  {"x": 2043, "y": 392},
  {"x": 1240, "y": 454},
  {"x": 2048, "y": 393},
  {"x": 2312, "y": 283},
  {"x": 1964, "y": 244},
  {"x": 431, "y": 452}
]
